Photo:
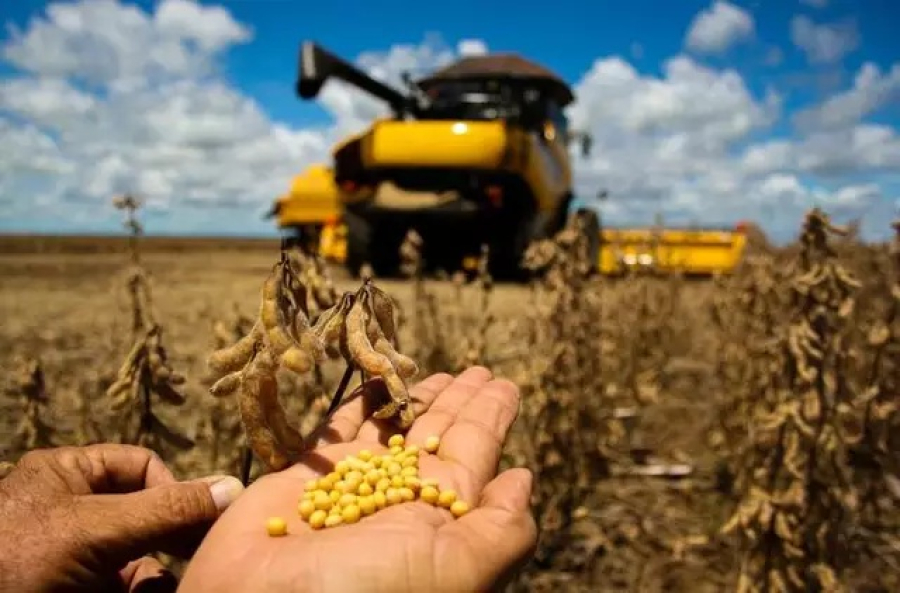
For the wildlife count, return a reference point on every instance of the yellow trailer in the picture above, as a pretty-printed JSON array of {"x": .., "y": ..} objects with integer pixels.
[{"x": 695, "y": 252}]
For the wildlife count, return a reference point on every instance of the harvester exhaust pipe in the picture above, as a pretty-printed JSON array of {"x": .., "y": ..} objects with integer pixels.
[{"x": 317, "y": 66}]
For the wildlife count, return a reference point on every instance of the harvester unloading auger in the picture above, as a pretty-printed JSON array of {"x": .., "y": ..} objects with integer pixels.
[{"x": 474, "y": 154}]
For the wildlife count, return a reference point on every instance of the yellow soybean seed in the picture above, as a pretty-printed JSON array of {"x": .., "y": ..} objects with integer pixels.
[
  {"x": 396, "y": 440},
  {"x": 376, "y": 461},
  {"x": 311, "y": 495},
  {"x": 311, "y": 485},
  {"x": 342, "y": 467},
  {"x": 306, "y": 508},
  {"x": 383, "y": 484},
  {"x": 447, "y": 498},
  {"x": 393, "y": 496},
  {"x": 276, "y": 526},
  {"x": 347, "y": 500},
  {"x": 380, "y": 499},
  {"x": 322, "y": 501},
  {"x": 341, "y": 486},
  {"x": 459, "y": 508},
  {"x": 407, "y": 494},
  {"x": 333, "y": 520},
  {"x": 334, "y": 495},
  {"x": 429, "y": 494},
  {"x": 394, "y": 468},
  {"x": 432, "y": 443},
  {"x": 397, "y": 482},
  {"x": 372, "y": 477},
  {"x": 367, "y": 505},
  {"x": 335, "y": 510},
  {"x": 351, "y": 514},
  {"x": 365, "y": 455},
  {"x": 410, "y": 462},
  {"x": 409, "y": 472},
  {"x": 354, "y": 477},
  {"x": 396, "y": 450},
  {"x": 365, "y": 489},
  {"x": 412, "y": 450},
  {"x": 317, "y": 519},
  {"x": 413, "y": 483}
]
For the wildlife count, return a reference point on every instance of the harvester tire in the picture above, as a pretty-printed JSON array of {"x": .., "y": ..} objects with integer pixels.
[
  {"x": 378, "y": 246},
  {"x": 359, "y": 237},
  {"x": 591, "y": 226},
  {"x": 508, "y": 245}
]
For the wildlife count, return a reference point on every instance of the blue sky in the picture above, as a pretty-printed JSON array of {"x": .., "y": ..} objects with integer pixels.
[{"x": 754, "y": 59}]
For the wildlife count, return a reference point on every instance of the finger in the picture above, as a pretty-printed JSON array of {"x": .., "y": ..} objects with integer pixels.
[
  {"x": 147, "y": 575},
  {"x": 442, "y": 413},
  {"x": 498, "y": 535},
  {"x": 125, "y": 468},
  {"x": 101, "y": 468},
  {"x": 476, "y": 438},
  {"x": 350, "y": 420},
  {"x": 171, "y": 518}
]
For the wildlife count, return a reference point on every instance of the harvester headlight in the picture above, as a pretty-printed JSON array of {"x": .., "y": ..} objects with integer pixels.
[
  {"x": 629, "y": 259},
  {"x": 459, "y": 128},
  {"x": 645, "y": 259}
]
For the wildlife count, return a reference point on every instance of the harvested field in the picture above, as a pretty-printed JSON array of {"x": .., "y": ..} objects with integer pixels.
[{"x": 655, "y": 411}]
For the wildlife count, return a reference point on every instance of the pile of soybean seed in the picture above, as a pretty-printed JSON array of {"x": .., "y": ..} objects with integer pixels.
[{"x": 365, "y": 483}]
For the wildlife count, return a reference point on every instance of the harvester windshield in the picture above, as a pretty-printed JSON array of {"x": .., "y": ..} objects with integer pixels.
[{"x": 473, "y": 100}]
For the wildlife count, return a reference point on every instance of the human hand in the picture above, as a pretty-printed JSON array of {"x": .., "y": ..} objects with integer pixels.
[
  {"x": 407, "y": 547},
  {"x": 81, "y": 518}
]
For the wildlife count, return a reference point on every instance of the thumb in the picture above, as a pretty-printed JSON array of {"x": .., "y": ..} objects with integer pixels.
[
  {"x": 170, "y": 518},
  {"x": 499, "y": 536}
]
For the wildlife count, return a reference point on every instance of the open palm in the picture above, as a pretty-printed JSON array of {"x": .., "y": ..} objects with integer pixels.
[{"x": 407, "y": 547}]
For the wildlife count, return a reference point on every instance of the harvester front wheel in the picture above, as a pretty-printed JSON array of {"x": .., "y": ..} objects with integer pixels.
[
  {"x": 376, "y": 245},
  {"x": 509, "y": 242},
  {"x": 359, "y": 233}
]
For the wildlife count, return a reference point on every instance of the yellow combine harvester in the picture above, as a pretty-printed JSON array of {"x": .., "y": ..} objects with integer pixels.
[
  {"x": 476, "y": 153},
  {"x": 311, "y": 204}
]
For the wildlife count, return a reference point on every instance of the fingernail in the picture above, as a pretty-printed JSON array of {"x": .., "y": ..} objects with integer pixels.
[{"x": 224, "y": 489}]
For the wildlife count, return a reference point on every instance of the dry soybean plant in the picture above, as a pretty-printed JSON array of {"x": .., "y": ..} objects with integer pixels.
[
  {"x": 30, "y": 387},
  {"x": 796, "y": 515},
  {"x": 144, "y": 376},
  {"x": 875, "y": 456},
  {"x": 359, "y": 328},
  {"x": 569, "y": 426},
  {"x": 146, "y": 371}
]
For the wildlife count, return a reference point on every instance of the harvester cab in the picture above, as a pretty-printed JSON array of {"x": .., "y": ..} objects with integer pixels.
[{"x": 474, "y": 154}]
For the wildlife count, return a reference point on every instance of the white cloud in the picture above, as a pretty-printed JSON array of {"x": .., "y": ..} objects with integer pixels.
[
  {"x": 687, "y": 145},
  {"x": 871, "y": 91},
  {"x": 823, "y": 44},
  {"x": 116, "y": 99},
  {"x": 471, "y": 47},
  {"x": 719, "y": 27}
]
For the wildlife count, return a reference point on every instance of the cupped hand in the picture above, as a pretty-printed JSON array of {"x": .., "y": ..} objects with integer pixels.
[
  {"x": 406, "y": 547},
  {"x": 82, "y": 519}
]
